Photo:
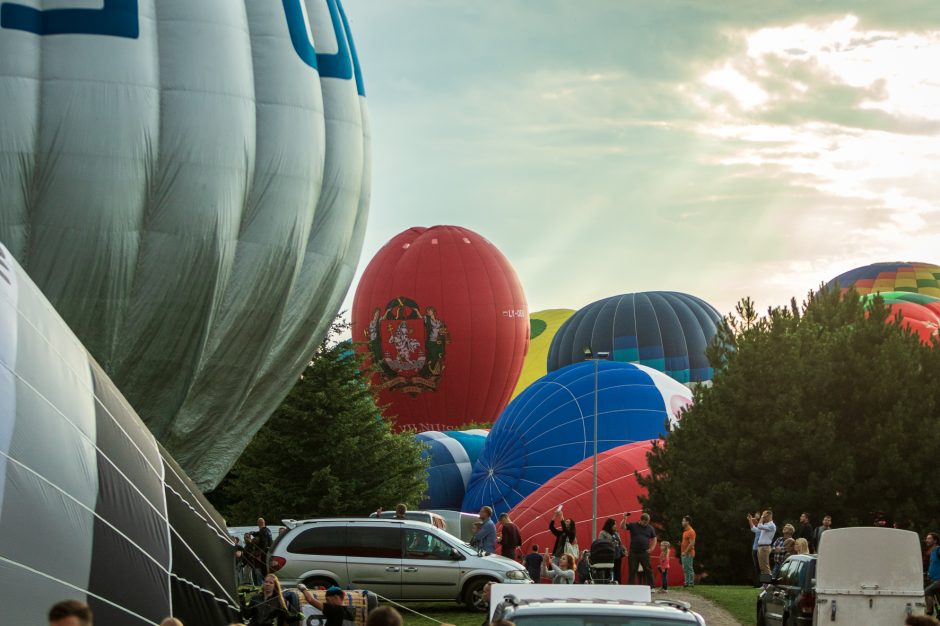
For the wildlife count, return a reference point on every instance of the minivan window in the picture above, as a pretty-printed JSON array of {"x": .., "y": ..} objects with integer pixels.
[
  {"x": 328, "y": 540},
  {"x": 374, "y": 542},
  {"x": 420, "y": 544}
]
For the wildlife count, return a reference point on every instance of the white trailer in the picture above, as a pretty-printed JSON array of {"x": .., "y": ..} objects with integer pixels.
[{"x": 868, "y": 576}]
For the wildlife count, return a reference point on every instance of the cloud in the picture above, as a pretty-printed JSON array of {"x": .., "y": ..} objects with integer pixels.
[{"x": 852, "y": 116}]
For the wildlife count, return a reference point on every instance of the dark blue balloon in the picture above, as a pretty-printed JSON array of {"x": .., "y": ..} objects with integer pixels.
[
  {"x": 452, "y": 454},
  {"x": 665, "y": 330},
  {"x": 549, "y": 427}
]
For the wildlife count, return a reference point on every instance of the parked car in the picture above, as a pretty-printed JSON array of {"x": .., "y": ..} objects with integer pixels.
[
  {"x": 863, "y": 575},
  {"x": 396, "y": 559},
  {"x": 588, "y": 605},
  {"x": 790, "y": 598}
]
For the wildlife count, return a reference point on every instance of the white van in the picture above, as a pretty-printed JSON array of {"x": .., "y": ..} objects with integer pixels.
[{"x": 868, "y": 576}]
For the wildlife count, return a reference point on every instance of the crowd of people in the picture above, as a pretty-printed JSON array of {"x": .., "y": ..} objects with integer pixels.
[
  {"x": 565, "y": 563},
  {"x": 769, "y": 551},
  {"x": 271, "y": 607}
]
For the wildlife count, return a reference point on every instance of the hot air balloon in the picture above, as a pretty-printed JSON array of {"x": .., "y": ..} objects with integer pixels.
[
  {"x": 617, "y": 493},
  {"x": 542, "y": 328},
  {"x": 549, "y": 427},
  {"x": 444, "y": 317},
  {"x": 920, "y": 313},
  {"x": 451, "y": 457},
  {"x": 665, "y": 330},
  {"x": 923, "y": 278},
  {"x": 188, "y": 183},
  {"x": 91, "y": 506}
]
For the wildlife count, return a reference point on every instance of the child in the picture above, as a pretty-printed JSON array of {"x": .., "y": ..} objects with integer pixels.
[
  {"x": 665, "y": 551},
  {"x": 533, "y": 563}
]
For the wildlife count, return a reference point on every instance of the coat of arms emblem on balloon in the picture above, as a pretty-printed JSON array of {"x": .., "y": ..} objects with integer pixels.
[{"x": 407, "y": 345}]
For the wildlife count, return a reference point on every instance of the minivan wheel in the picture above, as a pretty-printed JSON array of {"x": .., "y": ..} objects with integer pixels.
[
  {"x": 473, "y": 594},
  {"x": 319, "y": 581}
]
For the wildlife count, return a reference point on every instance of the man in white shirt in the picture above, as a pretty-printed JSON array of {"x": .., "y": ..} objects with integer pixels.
[{"x": 765, "y": 525}]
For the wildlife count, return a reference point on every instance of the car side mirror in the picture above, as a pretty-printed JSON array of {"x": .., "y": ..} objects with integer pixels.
[
  {"x": 765, "y": 578},
  {"x": 455, "y": 555}
]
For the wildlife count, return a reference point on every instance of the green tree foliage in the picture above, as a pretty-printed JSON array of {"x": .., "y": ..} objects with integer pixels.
[
  {"x": 325, "y": 451},
  {"x": 822, "y": 408}
]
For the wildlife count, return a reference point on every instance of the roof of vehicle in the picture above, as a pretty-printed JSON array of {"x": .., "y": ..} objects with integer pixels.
[
  {"x": 866, "y": 557},
  {"x": 353, "y": 521},
  {"x": 674, "y": 609}
]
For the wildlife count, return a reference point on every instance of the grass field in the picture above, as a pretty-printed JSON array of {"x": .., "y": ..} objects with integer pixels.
[
  {"x": 447, "y": 612},
  {"x": 740, "y": 601}
]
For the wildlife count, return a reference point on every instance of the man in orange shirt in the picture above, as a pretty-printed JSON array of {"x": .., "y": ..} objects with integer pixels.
[{"x": 687, "y": 551}]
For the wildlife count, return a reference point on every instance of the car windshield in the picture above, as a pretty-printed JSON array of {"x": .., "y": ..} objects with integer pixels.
[{"x": 597, "y": 620}]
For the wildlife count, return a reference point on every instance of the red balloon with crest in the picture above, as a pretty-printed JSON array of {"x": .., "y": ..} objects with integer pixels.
[{"x": 444, "y": 318}]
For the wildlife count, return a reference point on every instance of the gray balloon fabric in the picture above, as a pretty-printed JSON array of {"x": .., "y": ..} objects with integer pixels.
[
  {"x": 188, "y": 183},
  {"x": 91, "y": 506}
]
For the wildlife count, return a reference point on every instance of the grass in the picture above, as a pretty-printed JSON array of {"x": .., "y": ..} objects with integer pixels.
[
  {"x": 447, "y": 612},
  {"x": 740, "y": 601}
]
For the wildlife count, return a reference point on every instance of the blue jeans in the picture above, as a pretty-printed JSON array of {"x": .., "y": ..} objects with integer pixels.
[{"x": 687, "y": 571}]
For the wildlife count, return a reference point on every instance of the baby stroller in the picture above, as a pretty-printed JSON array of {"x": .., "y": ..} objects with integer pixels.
[{"x": 602, "y": 562}]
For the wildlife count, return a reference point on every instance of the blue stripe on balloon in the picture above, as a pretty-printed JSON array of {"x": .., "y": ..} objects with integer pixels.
[
  {"x": 336, "y": 65},
  {"x": 117, "y": 18},
  {"x": 357, "y": 70},
  {"x": 297, "y": 27}
]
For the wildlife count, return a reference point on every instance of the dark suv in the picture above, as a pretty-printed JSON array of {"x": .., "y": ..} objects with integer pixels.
[{"x": 790, "y": 599}]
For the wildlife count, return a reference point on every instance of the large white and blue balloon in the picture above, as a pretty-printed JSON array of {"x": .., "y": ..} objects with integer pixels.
[
  {"x": 188, "y": 182},
  {"x": 91, "y": 506}
]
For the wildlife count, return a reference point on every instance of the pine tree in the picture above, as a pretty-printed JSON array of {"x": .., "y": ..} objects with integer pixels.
[
  {"x": 326, "y": 451},
  {"x": 823, "y": 408}
]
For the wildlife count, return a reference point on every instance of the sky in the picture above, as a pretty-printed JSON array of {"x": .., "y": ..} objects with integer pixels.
[{"x": 722, "y": 148}]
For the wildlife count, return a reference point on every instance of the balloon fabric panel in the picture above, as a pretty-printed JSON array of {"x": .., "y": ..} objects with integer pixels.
[
  {"x": 895, "y": 276},
  {"x": 550, "y": 426},
  {"x": 543, "y": 326},
  {"x": 452, "y": 454},
  {"x": 166, "y": 191},
  {"x": 920, "y": 313},
  {"x": 668, "y": 331},
  {"x": 92, "y": 519},
  {"x": 430, "y": 309},
  {"x": 617, "y": 492}
]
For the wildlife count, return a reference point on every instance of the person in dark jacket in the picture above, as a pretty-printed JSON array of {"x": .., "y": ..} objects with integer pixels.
[
  {"x": 564, "y": 532},
  {"x": 510, "y": 539},
  {"x": 806, "y": 532},
  {"x": 270, "y": 607}
]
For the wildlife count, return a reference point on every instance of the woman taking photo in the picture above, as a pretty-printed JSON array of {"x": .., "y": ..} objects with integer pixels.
[
  {"x": 561, "y": 574},
  {"x": 564, "y": 536}
]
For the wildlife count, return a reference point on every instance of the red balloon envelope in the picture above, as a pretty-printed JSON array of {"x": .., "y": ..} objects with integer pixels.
[
  {"x": 445, "y": 319},
  {"x": 617, "y": 493}
]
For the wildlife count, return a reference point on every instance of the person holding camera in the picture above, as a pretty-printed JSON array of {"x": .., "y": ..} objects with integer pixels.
[
  {"x": 642, "y": 541},
  {"x": 766, "y": 530}
]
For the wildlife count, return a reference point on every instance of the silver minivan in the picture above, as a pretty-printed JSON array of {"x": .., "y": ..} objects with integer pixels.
[{"x": 396, "y": 559}]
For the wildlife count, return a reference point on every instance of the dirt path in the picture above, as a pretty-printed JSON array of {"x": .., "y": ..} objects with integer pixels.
[{"x": 713, "y": 614}]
